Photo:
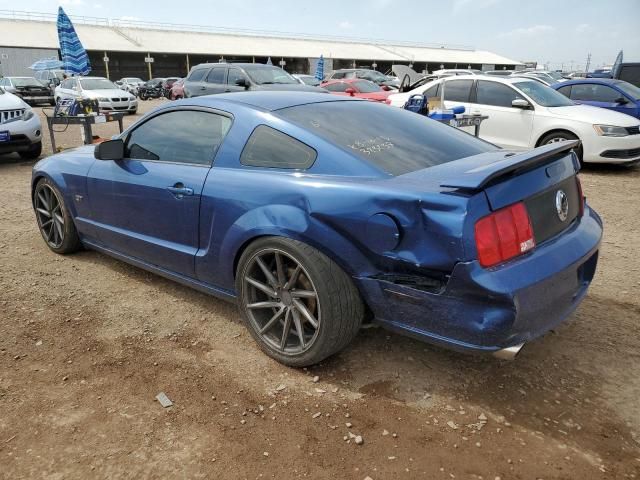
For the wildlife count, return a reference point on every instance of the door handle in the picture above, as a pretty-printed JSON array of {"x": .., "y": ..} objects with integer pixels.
[
  {"x": 203, "y": 88},
  {"x": 179, "y": 190}
]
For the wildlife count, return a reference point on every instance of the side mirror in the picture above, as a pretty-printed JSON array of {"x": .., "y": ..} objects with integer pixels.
[
  {"x": 622, "y": 101},
  {"x": 109, "y": 150},
  {"x": 386, "y": 88},
  {"x": 521, "y": 103},
  {"x": 350, "y": 91},
  {"x": 242, "y": 82}
]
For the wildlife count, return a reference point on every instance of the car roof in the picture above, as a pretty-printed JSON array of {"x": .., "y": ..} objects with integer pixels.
[
  {"x": 242, "y": 65},
  {"x": 266, "y": 100},
  {"x": 602, "y": 81}
]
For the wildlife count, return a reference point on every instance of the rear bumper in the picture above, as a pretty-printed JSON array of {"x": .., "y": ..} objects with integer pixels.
[{"x": 492, "y": 309}]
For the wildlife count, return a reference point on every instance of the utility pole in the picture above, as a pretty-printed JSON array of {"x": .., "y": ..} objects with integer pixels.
[{"x": 586, "y": 68}]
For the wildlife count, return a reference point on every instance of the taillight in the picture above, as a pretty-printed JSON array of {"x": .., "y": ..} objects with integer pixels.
[
  {"x": 504, "y": 234},
  {"x": 581, "y": 198}
]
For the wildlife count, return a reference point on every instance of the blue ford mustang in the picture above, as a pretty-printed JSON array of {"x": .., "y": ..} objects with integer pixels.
[{"x": 318, "y": 213}]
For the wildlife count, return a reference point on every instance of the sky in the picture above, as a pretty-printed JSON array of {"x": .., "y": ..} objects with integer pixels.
[{"x": 560, "y": 33}]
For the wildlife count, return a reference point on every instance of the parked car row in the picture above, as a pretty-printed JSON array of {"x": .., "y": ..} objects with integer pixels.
[{"x": 525, "y": 114}]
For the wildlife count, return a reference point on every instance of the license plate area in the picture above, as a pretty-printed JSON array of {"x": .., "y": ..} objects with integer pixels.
[{"x": 5, "y": 137}]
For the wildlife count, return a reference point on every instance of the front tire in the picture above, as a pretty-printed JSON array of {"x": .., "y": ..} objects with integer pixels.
[
  {"x": 555, "y": 137},
  {"x": 298, "y": 304},
  {"x": 54, "y": 220}
]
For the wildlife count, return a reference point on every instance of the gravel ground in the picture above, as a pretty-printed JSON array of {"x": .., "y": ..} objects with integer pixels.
[{"x": 87, "y": 342}]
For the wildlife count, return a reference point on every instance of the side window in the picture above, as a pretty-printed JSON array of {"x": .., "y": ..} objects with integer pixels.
[
  {"x": 271, "y": 148},
  {"x": 73, "y": 83},
  {"x": 182, "y": 136},
  {"x": 566, "y": 91},
  {"x": 338, "y": 75},
  {"x": 197, "y": 75},
  {"x": 234, "y": 75},
  {"x": 337, "y": 87},
  {"x": 67, "y": 83},
  {"x": 458, "y": 90},
  {"x": 496, "y": 94},
  {"x": 433, "y": 91},
  {"x": 216, "y": 75},
  {"x": 594, "y": 92},
  {"x": 603, "y": 93}
]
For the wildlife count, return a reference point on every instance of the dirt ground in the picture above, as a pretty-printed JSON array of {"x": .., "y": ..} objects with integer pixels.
[{"x": 87, "y": 342}]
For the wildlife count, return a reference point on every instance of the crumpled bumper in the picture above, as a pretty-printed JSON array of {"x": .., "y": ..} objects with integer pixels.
[{"x": 490, "y": 309}]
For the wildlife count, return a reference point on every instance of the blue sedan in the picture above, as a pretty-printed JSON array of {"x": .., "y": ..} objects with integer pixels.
[
  {"x": 317, "y": 214},
  {"x": 616, "y": 95}
]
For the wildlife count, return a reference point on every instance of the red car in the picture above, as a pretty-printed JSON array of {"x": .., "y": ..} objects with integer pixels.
[
  {"x": 357, "y": 87},
  {"x": 177, "y": 89}
]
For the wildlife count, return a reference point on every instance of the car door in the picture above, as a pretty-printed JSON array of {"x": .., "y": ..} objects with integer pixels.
[
  {"x": 507, "y": 126},
  {"x": 216, "y": 80},
  {"x": 233, "y": 76},
  {"x": 457, "y": 93},
  {"x": 146, "y": 206}
]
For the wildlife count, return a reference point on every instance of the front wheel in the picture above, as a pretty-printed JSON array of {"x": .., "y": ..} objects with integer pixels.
[
  {"x": 54, "y": 220},
  {"x": 298, "y": 304},
  {"x": 555, "y": 137}
]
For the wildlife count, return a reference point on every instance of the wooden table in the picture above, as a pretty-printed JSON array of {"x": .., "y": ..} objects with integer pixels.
[{"x": 86, "y": 121}]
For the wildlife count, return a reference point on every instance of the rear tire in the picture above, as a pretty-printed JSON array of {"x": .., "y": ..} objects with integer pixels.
[
  {"x": 34, "y": 152},
  {"x": 54, "y": 220},
  {"x": 560, "y": 137},
  {"x": 280, "y": 306}
]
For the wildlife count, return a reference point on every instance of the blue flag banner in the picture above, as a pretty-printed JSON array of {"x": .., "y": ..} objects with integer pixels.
[
  {"x": 74, "y": 56},
  {"x": 320, "y": 68}
]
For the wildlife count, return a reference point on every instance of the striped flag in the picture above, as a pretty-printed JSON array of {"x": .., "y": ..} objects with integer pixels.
[{"x": 73, "y": 54}]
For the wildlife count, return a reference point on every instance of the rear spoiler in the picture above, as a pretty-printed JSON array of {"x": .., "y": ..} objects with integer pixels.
[{"x": 479, "y": 177}]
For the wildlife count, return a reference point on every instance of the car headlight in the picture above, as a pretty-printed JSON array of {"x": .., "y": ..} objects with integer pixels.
[
  {"x": 28, "y": 115},
  {"x": 103, "y": 99},
  {"x": 610, "y": 131}
]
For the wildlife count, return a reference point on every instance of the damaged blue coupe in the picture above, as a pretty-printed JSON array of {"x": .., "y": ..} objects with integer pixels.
[{"x": 317, "y": 214}]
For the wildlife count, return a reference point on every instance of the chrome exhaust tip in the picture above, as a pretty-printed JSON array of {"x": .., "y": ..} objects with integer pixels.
[{"x": 508, "y": 353}]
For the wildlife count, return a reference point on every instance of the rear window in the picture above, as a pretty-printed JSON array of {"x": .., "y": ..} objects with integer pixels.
[{"x": 393, "y": 140}]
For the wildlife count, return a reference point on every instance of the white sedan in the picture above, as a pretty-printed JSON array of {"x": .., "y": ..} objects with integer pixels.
[
  {"x": 525, "y": 114},
  {"x": 109, "y": 96}
]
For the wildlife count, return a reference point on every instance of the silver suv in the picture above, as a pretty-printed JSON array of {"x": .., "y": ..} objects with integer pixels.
[{"x": 211, "y": 78}]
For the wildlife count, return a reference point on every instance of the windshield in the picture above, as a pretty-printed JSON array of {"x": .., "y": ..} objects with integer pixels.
[
  {"x": 265, "y": 75},
  {"x": 543, "y": 95},
  {"x": 96, "y": 84},
  {"x": 374, "y": 76},
  {"x": 391, "y": 139},
  {"x": 629, "y": 89},
  {"x": 133, "y": 80},
  {"x": 26, "y": 82},
  {"x": 365, "y": 86}
]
